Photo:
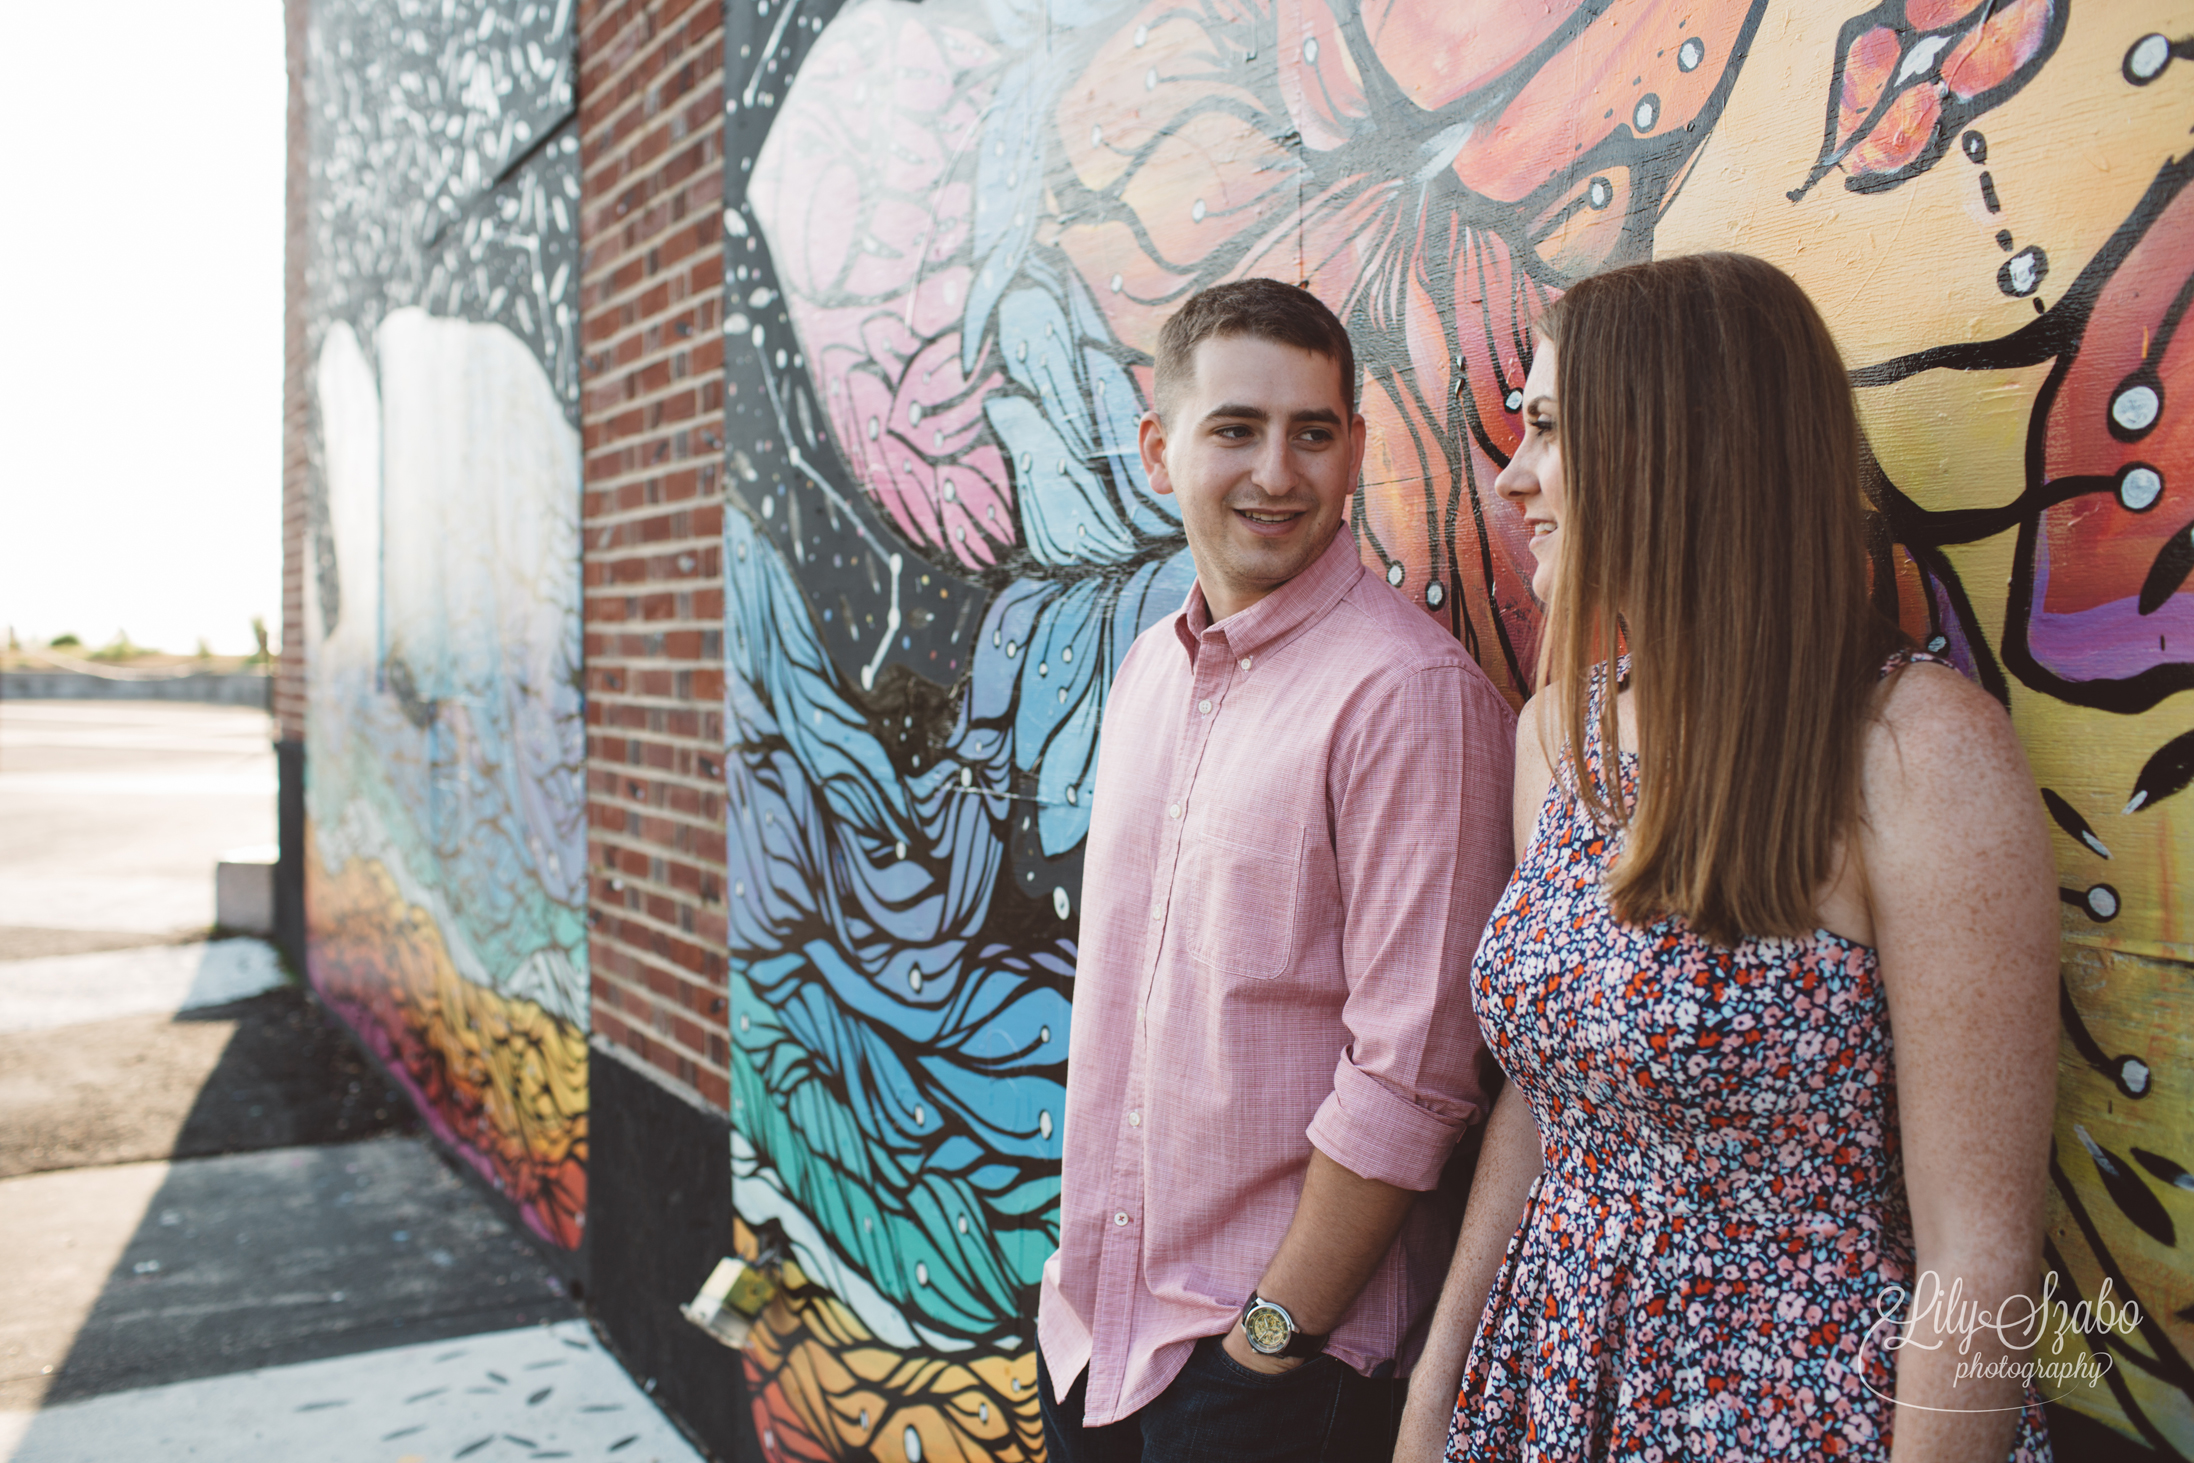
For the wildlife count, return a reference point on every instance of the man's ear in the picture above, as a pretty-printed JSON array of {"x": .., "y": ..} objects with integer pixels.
[
  {"x": 1358, "y": 437},
  {"x": 1150, "y": 437}
]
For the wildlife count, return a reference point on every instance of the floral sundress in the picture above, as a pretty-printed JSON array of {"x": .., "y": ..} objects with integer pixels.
[{"x": 1702, "y": 1262}]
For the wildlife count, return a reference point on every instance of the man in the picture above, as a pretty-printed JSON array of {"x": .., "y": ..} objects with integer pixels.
[{"x": 1302, "y": 824}]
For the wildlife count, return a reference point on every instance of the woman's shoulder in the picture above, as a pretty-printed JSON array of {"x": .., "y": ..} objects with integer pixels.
[
  {"x": 1531, "y": 747},
  {"x": 1925, "y": 696},
  {"x": 1936, "y": 741},
  {"x": 1527, "y": 715},
  {"x": 1959, "y": 878}
]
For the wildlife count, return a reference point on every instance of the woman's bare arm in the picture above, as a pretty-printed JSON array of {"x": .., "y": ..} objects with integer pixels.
[
  {"x": 1963, "y": 896},
  {"x": 1508, "y": 1164}
]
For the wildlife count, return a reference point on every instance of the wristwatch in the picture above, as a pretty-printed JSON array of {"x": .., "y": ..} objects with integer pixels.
[{"x": 1272, "y": 1331}]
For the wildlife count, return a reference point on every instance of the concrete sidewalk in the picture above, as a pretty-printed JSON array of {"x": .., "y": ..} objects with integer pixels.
[
  {"x": 68, "y": 990},
  {"x": 538, "y": 1392}
]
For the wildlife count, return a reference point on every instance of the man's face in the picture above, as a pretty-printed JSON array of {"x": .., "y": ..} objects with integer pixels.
[{"x": 1263, "y": 453}]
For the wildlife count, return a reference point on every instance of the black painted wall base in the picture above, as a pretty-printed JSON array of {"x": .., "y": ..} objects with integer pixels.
[
  {"x": 658, "y": 1220},
  {"x": 2077, "y": 1438},
  {"x": 289, "y": 869}
]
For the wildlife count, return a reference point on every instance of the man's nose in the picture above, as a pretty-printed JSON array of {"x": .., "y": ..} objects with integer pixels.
[{"x": 1273, "y": 469}]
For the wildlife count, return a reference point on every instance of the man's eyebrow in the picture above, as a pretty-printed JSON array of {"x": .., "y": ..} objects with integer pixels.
[{"x": 1236, "y": 411}]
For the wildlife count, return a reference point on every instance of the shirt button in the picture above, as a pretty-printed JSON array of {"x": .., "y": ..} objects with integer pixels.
[
  {"x": 1204, "y": 707},
  {"x": 1246, "y": 660},
  {"x": 1174, "y": 811},
  {"x": 1120, "y": 1218},
  {"x": 1135, "y": 1120}
]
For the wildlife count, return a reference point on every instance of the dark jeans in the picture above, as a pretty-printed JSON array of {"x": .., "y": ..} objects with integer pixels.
[{"x": 1321, "y": 1412}]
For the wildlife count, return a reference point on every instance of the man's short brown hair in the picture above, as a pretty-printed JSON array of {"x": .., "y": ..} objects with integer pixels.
[{"x": 1263, "y": 309}]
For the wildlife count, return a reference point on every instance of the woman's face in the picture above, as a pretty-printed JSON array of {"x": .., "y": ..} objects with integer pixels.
[{"x": 1533, "y": 478}]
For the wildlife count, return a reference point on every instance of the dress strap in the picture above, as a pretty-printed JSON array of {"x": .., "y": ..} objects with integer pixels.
[
  {"x": 1587, "y": 757},
  {"x": 1900, "y": 658},
  {"x": 1596, "y": 687}
]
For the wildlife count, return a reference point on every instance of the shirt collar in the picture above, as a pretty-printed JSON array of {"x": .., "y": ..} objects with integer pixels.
[{"x": 1281, "y": 615}]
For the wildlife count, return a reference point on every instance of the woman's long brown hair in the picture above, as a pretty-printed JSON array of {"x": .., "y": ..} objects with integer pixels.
[{"x": 1714, "y": 528}]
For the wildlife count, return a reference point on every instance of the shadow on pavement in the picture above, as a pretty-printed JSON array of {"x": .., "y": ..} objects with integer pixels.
[
  {"x": 270, "y": 1071},
  {"x": 294, "y": 1254},
  {"x": 289, "y": 1075}
]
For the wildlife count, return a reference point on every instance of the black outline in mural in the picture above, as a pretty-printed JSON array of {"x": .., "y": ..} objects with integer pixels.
[{"x": 2058, "y": 336}]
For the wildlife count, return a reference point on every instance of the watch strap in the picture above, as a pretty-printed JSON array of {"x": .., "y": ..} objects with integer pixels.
[{"x": 1299, "y": 1343}]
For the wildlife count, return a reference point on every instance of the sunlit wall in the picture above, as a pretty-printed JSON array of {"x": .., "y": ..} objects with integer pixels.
[
  {"x": 445, "y": 793},
  {"x": 954, "y": 229}
]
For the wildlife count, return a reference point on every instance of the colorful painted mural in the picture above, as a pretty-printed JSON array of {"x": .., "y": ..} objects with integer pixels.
[
  {"x": 445, "y": 786},
  {"x": 953, "y": 230}
]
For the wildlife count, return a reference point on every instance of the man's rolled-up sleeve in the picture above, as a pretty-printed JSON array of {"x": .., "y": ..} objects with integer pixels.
[{"x": 1420, "y": 796}]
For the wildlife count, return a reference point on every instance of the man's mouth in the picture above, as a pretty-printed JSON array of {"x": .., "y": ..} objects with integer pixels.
[{"x": 1255, "y": 515}]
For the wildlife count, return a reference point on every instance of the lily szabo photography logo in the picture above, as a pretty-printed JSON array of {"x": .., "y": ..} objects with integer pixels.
[{"x": 1929, "y": 1316}]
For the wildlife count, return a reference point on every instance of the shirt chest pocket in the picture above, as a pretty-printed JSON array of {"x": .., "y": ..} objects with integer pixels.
[{"x": 1244, "y": 885}]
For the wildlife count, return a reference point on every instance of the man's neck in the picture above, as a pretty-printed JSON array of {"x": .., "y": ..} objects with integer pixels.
[{"x": 1223, "y": 602}]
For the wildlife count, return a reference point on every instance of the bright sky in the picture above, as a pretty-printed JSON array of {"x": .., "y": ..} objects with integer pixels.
[{"x": 141, "y": 386}]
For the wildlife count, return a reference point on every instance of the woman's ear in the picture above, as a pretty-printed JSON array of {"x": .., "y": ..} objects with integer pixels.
[{"x": 1150, "y": 437}]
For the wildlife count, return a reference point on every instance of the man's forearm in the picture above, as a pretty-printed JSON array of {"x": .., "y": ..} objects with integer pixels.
[{"x": 1342, "y": 1229}]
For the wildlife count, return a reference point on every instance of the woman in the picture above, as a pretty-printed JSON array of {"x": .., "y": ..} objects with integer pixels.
[{"x": 1712, "y": 1172}]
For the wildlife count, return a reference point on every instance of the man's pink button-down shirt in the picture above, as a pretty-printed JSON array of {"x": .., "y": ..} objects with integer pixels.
[{"x": 1300, "y": 827}]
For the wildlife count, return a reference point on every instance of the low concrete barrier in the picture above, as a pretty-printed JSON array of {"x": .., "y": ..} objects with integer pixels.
[
  {"x": 243, "y": 890},
  {"x": 223, "y": 690}
]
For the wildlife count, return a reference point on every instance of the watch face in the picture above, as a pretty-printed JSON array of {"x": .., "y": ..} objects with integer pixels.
[{"x": 1267, "y": 1329}]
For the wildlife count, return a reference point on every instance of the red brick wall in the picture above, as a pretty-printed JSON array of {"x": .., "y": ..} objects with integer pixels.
[
  {"x": 650, "y": 235},
  {"x": 289, "y": 684}
]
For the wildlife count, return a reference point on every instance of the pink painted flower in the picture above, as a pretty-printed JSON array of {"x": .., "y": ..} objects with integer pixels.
[{"x": 861, "y": 192}]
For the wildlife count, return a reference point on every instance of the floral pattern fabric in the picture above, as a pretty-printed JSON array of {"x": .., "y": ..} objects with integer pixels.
[{"x": 1702, "y": 1262}]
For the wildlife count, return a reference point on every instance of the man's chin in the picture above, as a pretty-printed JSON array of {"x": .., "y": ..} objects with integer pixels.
[{"x": 1269, "y": 561}]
